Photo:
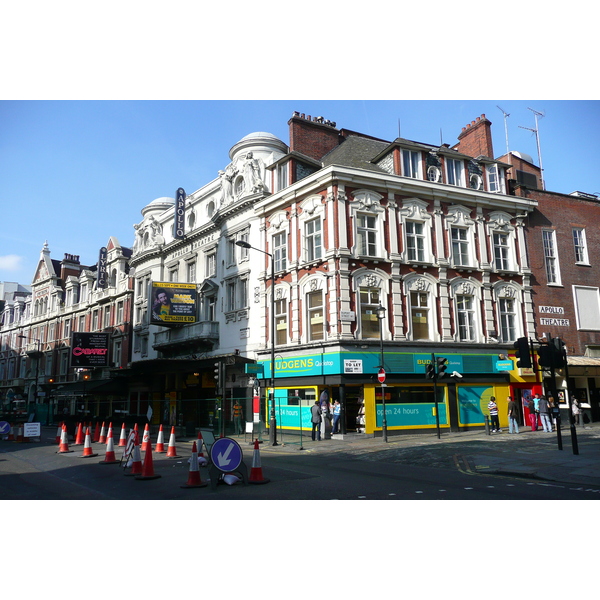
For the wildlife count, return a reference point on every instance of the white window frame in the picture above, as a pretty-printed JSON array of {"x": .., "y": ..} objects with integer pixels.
[
  {"x": 467, "y": 288},
  {"x": 367, "y": 311},
  {"x": 465, "y": 318},
  {"x": 507, "y": 319},
  {"x": 367, "y": 204},
  {"x": 418, "y": 239},
  {"x": 210, "y": 262},
  {"x": 551, "y": 262},
  {"x": 427, "y": 286},
  {"x": 313, "y": 239},
  {"x": 580, "y": 246},
  {"x": 412, "y": 164},
  {"x": 586, "y": 300},
  {"x": 455, "y": 171},
  {"x": 415, "y": 211},
  {"x": 458, "y": 217},
  {"x": 501, "y": 250},
  {"x": 316, "y": 315},
  {"x": 367, "y": 235},
  {"x": 279, "y": 244},
  {"x": 459, "y": 240},
  {"x": 281, "y": 321}
]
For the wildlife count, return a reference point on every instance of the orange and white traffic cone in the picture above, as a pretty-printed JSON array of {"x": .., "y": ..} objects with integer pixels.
[
  {"x": 194, "y": 474},
  {"x": 160, "y": 442},
  {"x": 256, "y": 474},
  {"x": 148, "y": 466},
  {"x": 11, "y": 434},
  {"x": 102, "y": 438},
  {"x": 136, "y": 459},
  {"x": 79, "y": 440},
  {"x": 123, "y": 436},
  {"x": 64, "y": 441},
  {"x": 146, "y": 438},
  {"x": 20, "y": 437},
  {"x": 172, "y": 450},
  {"x": 110, "y": 458},
  {"x": 202, "y": 461},
  {"x": 87, "y": 448},
  {"x": 59, "y": 433},
  {"x": 97, "y": 432}
]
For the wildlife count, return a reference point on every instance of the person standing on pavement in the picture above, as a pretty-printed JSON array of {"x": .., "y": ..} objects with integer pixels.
[
  {"x": 513, "y": 415},
  {"x": 533, "y": 415},
  {"x": 336, "y": 416},
  {"x": 552, "y": 409},
  {"x": 493, "y": 410},
  {"x": 544, "y": 409},
  {"x": 315, "y": 419},
  {"x": 237, "y": 417}
]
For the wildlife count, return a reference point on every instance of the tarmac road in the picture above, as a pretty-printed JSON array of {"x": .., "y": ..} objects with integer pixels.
[{"x": 467, "y": 465}]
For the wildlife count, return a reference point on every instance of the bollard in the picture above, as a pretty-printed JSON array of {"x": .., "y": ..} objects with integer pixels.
[{"x": 487, "y": 425}]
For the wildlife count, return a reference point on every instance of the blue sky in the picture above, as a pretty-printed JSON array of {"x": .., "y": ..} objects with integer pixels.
[{"x": 76, "y": 172}]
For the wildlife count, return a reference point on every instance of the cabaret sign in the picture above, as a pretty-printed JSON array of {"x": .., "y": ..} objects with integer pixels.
[{"x": 89, "y": 350}]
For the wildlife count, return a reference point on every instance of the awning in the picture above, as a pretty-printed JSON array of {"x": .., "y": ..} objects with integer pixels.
[{"x": 101, "y": 386}]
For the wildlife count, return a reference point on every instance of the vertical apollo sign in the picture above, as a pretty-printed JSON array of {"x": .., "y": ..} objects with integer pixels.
[
  {"x": 180, "y": 214},
  {"x": 102, "y": 268}
]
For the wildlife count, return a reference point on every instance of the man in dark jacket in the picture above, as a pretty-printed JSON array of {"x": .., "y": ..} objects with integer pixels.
[
  {"x": 513, "y": 416},
  {"x": 315, "y": 418}
]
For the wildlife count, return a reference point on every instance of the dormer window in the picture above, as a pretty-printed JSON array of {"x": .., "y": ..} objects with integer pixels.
[
  {"x": 411, "y": 164},
  {"x": 455, "y": 172}
]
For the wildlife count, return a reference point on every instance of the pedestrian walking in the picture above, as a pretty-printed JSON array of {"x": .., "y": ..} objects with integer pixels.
[
  {"x": 544, "y": 409},
  {"x": 553, "y": 410},
  {"x": 337, "y": 409},
  {"x": 513, "y": 416},
  {"x": 575, "y": 409},
  {"x": 493, "y": 410},
  {"x": 315, "y": 419}
]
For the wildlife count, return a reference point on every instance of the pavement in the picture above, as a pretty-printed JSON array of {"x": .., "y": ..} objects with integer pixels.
[{"x": 529, "y": 454}]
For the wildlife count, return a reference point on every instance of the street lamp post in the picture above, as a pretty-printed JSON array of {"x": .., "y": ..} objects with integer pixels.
[
  {"x": 380, "y": 317},
  {"x": 273, "y": 420}
]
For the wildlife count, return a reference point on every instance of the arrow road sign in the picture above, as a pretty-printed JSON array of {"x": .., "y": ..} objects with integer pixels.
[
  {"x": 226, "y": 455},
  {"x": 4, "y": 427}
]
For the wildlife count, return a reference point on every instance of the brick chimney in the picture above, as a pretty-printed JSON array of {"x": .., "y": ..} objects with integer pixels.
[
  {"x": 476, "y": 139},
  {"x": 313, "y": 137}
]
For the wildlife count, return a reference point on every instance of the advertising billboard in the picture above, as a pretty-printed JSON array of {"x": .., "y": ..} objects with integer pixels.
[
  {"x": 172, "y": 303},
  {"x": 89, "y": 350}
]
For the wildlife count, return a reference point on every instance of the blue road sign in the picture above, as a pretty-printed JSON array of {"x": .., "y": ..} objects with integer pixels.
[
  {"x": 4, "y": 427},
  {"x": 226, "y": 454}
]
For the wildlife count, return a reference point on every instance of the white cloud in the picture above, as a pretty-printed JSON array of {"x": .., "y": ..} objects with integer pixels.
[{"x": 10, "y": 262}]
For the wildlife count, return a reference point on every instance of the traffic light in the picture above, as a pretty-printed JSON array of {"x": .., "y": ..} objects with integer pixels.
[
  {"x": 430, "y": 371},
  {"x": 545, "y": 355},
  {"x": 558, "y": 349},
  {"x": 523, "y": 353},
  {"x": 442, "y": 365},
  {"x": 218, "y": 370}
]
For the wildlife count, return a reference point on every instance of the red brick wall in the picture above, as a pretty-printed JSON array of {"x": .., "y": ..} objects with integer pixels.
[{"x": 562, "y": 213}]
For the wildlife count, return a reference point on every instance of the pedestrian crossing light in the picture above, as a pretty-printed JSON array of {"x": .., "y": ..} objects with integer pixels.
[
  {"x": 523, "y": 353},
  {"x": 442, "y": 365},
  {"x": 430, "y": 371}
]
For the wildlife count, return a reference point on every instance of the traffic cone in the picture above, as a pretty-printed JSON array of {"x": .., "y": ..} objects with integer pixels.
[
  {"x": 146, "y": 438},
  {"x": 123, "y": 436},
  {"x": 11, "y": 434},
  {"x": 136, "y": 459},
  {"x": 172, "y": 450},
  {"x": 20, "y": 437},
  {"x": 102, "y": 438},
  {"x": 79, "y": 437},
  {"x": 110, "y": 458},
  {"x": 97, "y": 433},
  {"x": 160, "y": 442},
  {"x": 87, "y": 448},
  {"x": 59, "y": 433},
  {"x": 256, "y": 474},
  {"x": 148, "y": 466},
  {"x": 194, "y": 474},
  {"x": 64, "y": 441}
]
